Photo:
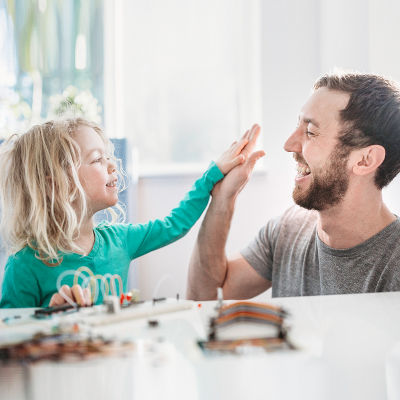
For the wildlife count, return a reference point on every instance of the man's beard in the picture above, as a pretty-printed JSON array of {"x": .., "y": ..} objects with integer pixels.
[{"x": 329, "y": 186}]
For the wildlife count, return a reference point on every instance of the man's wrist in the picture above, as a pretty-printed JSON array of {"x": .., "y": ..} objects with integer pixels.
[{"x": 222, "y": 201}]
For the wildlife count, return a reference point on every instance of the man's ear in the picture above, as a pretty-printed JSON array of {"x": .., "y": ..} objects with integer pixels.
[{"x": 367, "y": 160}]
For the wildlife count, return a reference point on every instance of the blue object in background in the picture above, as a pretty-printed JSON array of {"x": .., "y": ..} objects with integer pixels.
[{"x": 120, "y": 152}]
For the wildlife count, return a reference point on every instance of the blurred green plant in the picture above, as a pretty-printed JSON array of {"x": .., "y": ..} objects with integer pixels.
[
  {"x": 73, "y": 103},
  {"x": 15, "y": 114},
  {"x": 54, "y": 43}
]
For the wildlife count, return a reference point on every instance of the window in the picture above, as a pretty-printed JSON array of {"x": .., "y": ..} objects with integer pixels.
[
  {"x": 179, "y": 78},
  {"x": 46, "y": 46},
  {"x": 188, "y": 72}
]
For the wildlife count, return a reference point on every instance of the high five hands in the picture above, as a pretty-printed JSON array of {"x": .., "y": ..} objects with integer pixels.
[{"x": 237, "y": 163}]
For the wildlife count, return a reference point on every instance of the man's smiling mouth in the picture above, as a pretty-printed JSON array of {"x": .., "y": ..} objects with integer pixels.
[{"x": 302, "y": 170}]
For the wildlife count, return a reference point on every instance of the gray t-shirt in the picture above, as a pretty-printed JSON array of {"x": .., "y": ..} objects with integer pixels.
[{"x": 288, "y": 252}]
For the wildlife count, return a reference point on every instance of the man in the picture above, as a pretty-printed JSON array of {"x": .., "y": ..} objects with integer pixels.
[{"x": 340, "y": 237}]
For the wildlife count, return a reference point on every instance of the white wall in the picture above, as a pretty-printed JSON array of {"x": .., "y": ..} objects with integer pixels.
[
  {"x": 384, "y": 58},
  {"x": 289, "y": 67},
  {"x": 300, "y": 40},
  {"x": 363, "y": 35}
]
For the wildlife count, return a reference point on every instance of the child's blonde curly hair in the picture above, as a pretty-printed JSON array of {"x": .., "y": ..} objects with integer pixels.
[{"x": 42, "y": 201}]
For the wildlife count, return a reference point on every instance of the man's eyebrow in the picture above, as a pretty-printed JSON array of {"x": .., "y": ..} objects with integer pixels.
[{"x": 311, "y": 121}]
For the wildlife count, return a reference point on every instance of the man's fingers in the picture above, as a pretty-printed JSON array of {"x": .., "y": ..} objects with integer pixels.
[{"x": 255, "y": 157}]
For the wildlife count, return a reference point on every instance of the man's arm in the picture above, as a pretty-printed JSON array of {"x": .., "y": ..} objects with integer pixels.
[{"x": 209, "y": 267}]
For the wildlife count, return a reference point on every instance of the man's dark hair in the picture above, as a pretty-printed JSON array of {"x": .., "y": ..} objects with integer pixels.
[{"x": 372, "y": 116}]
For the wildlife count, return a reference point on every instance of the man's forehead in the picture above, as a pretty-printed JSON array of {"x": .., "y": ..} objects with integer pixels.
[{"x": 323, "y": 107}]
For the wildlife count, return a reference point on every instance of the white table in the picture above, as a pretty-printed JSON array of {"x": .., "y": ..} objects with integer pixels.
[{"x": 349, "y": 350}]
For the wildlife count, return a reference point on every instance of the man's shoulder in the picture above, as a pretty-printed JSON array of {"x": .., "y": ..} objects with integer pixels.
[
  {"x": 293, "y": 222},
  {"x": 298, "y": 216},
  {"x": 395, "y": 225},
  {"x": 389, "y": 237}
]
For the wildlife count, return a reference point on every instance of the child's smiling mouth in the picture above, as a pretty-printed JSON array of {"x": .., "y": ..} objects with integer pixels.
[{"x": 112, "y": 183}]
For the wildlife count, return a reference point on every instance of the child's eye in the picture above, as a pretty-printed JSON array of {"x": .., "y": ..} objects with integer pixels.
[{"x": 97, "y": 160}]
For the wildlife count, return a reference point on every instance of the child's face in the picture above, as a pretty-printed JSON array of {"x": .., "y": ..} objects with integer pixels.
[{"x": 97, "y": 172}]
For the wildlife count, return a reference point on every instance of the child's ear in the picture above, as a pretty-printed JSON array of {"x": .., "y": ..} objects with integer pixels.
[{"x": 367, "y": 160}]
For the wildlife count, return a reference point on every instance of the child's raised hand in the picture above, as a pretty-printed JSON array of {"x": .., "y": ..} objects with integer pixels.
[
  {"x": 234, "y": 155},
  {"x": 75, "y": 293},
  {"x": 237, "y": 178}
]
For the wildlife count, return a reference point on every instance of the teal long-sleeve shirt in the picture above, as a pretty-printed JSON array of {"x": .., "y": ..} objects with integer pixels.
[{"x": 28, "y": 282}]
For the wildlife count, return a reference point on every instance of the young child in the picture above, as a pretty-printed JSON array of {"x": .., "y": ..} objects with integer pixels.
[{"x": 54, "y": 178}]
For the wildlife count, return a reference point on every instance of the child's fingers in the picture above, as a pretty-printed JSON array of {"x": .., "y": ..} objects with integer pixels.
[
  {"x": 254, "y": 133},
  {"x": 228, "y": 165},
  {"x": 240, "y": 145},
  {"x": 246, "y": 136},
  {"x": 87, "y": 295},
  {"x": 250, "y": 139},
  {"x": 53, "y": 300},
  {"x": 236, "y": 161},
  {"x": 66, "y": 294},
  {"x": 56, "y": 300},
  {"x": 77, "y": 293}
]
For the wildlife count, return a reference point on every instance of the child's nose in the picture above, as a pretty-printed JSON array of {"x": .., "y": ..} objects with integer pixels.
[{"x": 111, "y": 166}]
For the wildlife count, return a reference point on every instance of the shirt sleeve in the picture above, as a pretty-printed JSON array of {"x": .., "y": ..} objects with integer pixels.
[
  {"x": 143, "y": 238},
  {"x": 259, "y": 252},
  {"x": 20, "y": 287}
]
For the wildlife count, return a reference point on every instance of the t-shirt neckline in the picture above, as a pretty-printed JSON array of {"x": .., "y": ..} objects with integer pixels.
[
  {"x": 386, "y": 231},
  {"x": 95, "y": 247}
]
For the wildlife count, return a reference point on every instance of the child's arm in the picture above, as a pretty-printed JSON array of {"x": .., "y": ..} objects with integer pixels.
[{"x": 143, "y": 238}]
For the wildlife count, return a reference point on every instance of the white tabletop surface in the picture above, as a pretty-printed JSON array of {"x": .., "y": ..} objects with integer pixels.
[{"x": 349, "y": 348}]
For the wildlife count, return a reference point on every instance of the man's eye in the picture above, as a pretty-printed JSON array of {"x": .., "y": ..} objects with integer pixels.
[{"x": 309, "y": 133}]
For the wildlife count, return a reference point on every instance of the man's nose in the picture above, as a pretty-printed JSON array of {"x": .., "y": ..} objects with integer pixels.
[{"x": 293, "y": 143}]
